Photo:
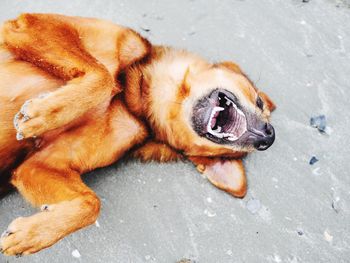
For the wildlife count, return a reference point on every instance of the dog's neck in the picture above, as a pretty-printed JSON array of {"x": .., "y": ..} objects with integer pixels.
[{"x": 147, "y": 92}]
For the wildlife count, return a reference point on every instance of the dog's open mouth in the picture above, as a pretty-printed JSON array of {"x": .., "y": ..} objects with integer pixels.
[
  {"x": 219, "y": 118},
  {"x": 226, "y": 120}
]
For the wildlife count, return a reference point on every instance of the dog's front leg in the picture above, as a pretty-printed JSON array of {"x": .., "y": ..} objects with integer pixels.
[
  {"x": 67, "y": 205},
  {"x": 55, "y": 46},
  {"x": 225, "y": 174}
]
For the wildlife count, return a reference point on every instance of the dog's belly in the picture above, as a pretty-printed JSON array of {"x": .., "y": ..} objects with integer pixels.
[{"x": 19, "y": 81}]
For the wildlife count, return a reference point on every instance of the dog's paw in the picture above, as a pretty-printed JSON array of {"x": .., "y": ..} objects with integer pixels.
[
  {"x": 34, "y": 117},
  {"x": 27, "y": 235}
]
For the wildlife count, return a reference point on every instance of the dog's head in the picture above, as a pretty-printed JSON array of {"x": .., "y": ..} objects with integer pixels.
[
  {"x": 203, "y": 110},
  {"x": 228, "y": 110},
  {"x": 216, "y": 111}
]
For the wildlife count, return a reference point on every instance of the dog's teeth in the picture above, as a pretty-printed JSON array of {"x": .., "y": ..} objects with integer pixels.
[
  {"x": 218, "y": 129},
  {"x": 228, "y": 101},
  {"x": 231, "y": 139},
  {"x": 219, "y": 108}
]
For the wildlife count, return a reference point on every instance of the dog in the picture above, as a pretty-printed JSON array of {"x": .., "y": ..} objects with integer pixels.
[{"x": 78, "y": 93}]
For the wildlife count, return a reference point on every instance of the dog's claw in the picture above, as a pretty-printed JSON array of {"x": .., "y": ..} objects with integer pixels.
[
  {"x": 16, "y": 120},
  {"x": 24, "y": 107},
  {"x": 19, "y": 255},
  {"x": 19, "y": 136},
  {"x": 44, "y": 208},
  {"x": 25, "y": 118}
]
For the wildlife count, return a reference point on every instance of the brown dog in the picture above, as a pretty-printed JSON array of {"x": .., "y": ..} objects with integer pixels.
[{"x": 82, "y": 92}]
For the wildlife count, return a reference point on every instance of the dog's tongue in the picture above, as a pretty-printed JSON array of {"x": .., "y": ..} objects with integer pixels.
[{"x": 227, "y": 175}]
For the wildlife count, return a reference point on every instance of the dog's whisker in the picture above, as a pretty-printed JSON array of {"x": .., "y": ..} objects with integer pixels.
[{"x": 256, "y": 82}]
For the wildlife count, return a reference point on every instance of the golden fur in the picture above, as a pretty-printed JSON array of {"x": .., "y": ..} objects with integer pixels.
[{"x": 107, "y": 90}]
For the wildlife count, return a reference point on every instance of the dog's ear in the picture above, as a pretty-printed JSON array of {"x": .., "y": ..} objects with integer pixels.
[
  {"x": 227, "y": 175},
  {"x": 131, "y": 47},
  {"x": 267, "y": 100}
]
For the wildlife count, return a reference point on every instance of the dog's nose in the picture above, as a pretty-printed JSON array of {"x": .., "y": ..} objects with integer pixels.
[{"x": 266, "y": 139}]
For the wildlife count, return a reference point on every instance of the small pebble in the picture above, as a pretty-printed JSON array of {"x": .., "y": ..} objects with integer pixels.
[
  {"x": 300, "y": 233},
  {"x": 316, "y": 171},
  {"x": 313, "y": 160},
  {"x": 209, "y": 213},
  {"x": 253, "y": 205},
  {"x": 319, "y": 122},
  {"x": 145, "y": 28},
  {"x": 335, "y": 206},
  {"x": 75, "y": 253},
  {"x": 327, "y": 236}
]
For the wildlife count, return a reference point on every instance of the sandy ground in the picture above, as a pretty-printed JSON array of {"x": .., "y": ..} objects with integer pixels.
[{"x": 297, "y": 52}]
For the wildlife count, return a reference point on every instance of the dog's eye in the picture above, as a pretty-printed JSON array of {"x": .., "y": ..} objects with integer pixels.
[{"x": 259, "y": 103}]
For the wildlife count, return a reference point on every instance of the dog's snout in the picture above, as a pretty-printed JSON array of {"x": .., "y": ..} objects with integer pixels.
[{"x": 266, "y": 138}]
